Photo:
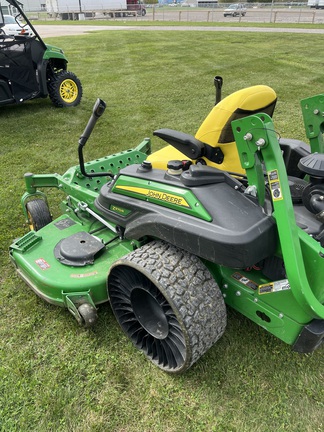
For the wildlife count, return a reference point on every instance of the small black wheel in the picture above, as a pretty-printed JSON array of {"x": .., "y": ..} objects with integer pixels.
[
  {"x": 88, "y": 314},
  {"x": 64, "y": 89},
  {"x": 168, "y": 304},
  {"x": 38, "y": 214}
]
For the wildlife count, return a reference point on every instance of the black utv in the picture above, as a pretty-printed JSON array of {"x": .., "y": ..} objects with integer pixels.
[{"x": 31, "y": 69}]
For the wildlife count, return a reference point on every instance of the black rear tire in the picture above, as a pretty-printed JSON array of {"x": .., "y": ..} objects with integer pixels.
[
  {"x": 64, "y": 89},
  {"x": 38, "y": 214},
  {"x": 168, "y": 304}
]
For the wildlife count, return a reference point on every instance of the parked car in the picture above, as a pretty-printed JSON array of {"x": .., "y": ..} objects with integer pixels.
[
  {"x": 235, "y": 9},
  {"x": 14, "y": 27}
]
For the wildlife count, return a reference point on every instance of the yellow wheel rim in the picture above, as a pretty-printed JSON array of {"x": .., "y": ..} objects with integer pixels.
[{"x": 68, "y": 91}]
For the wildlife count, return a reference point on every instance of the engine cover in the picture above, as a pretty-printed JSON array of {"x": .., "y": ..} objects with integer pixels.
[{"x": 212, "y": 220}]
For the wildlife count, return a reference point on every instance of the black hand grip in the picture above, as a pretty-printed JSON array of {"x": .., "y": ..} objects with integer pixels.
[
  {"x": 218, "y": 83},
  {"x": 98, "y": 110}
]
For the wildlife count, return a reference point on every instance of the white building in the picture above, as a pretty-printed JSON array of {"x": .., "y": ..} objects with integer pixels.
[{"x": 33, "y": 5}]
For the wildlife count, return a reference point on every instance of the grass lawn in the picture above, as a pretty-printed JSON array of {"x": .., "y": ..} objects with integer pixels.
[{"x": 56, "y": 376}]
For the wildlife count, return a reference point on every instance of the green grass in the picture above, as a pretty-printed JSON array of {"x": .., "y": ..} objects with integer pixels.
[{"x": 56, "y": 376}]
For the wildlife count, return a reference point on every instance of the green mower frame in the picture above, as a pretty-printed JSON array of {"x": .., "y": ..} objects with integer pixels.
[{"x": 169, "y": 260}]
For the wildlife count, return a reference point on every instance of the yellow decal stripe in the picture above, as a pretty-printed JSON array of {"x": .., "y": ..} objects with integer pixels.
[{"x": 160, "y": 196}]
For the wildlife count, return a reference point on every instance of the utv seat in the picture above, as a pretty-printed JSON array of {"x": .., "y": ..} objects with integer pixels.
[{"x": 214, "y": 142}]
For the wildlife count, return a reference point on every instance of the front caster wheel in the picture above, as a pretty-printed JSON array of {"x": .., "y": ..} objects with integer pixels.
[
  {"x": 168, "y": 304},
  {"x": 38, "y": 214},
  {"x": 88, "y": 314}
]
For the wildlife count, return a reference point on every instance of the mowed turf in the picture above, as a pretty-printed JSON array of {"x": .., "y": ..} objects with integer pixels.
[{"x": 57, "y": 376}]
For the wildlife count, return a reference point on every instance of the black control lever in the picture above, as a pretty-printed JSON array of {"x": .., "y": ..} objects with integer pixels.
[
  {"x": 98, "y": 110},
  {"x": 218, "y": 83}
]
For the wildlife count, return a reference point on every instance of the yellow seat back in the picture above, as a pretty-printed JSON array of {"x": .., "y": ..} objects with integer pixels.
[{"x": 216, "y": 129}]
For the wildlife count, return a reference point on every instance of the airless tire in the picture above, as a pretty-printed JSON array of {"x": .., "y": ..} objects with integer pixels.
[{"x": 167, "y": 303}]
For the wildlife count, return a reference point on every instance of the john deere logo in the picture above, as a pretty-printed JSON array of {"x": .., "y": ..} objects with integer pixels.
[{"x": 153, "y": 194}]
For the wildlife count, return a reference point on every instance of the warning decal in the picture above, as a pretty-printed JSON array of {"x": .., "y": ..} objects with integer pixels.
[
  {"x": 275, "y": 186},
  {"x": 42, "y": 264},
  {"x": 245, "y": 281},
  {"x": 276, "y": 286},
  {"x": 83, "y": 275}
]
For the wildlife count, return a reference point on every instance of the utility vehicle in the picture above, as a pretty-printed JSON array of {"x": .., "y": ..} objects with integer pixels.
[
  {"x": 233, "y": 217},
  {"x": 31, "y": 69}
]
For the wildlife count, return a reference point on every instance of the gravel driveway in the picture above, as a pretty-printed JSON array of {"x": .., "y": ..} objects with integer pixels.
[{"x": 73, "y": 30}]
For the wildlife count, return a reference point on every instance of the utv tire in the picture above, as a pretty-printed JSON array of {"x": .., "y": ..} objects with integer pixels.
[
  {"x": 65, "y": 89},
  {"x": 168, "y": 304},
  {"x": 38, "y": 214}
]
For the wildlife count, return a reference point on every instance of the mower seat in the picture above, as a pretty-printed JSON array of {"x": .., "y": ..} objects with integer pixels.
[{"x": 214, "y": 142}]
